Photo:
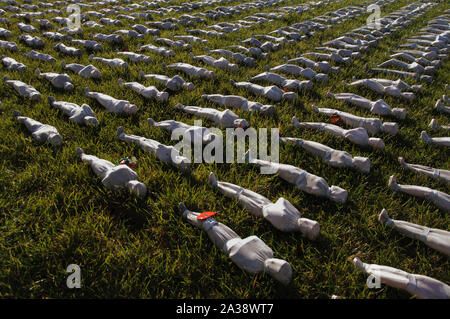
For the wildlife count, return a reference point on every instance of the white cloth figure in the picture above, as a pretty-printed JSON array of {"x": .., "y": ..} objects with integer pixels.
[
  {"x": 190, "y": 38},
  {"x": 250, "y": 254},
  {"x": 222, "y": 119},
  {"x": 77, "y": 114},
  {"x": 34, "y": 42},
  {"x": 88, "y": 71},
  {"x": 149, "y": 92},
  {"x": 40, "y": 56},
  {"x": 379, "y": 88},
  {"x": 135, "y": 57},
  {"x": 171, "y": 43},
  {"x": 238, "y": 57},
  {"x": 334, "y": 158},
  {"x": 441, "y": 174},
  {"x": 158, "y": 50},
  {"x": 174, "y": 83},
  {"x": 12, "y": 65},
  {"x": 414, "y": 67},
  {"x": 111, "y": 104},
  {"x": 357, "y": 136},
  {"x": 114, "y": 177},
  {"x": 11, "y": 46},
  {"x": 439, "y": 106},
  {"x": 422, "y": 287},
  {"x": 378, "y": 107},
  {"x": 404, "y": 74},
  {"x": 444, "y": 141},
  {"x": 296, "y": 70},
  {"x": 256, "y": 52},
  {"x": 61, "y": 47},
  {"x": 323, "y": 66},
  {"x": 88, "y": 44},
  {"x": 421, "y": 60},
  {"x": 59, "y": 81},
  {"x": 282, "y": 214},
  {"x": 191, "y": 133},
  {"x": 440, "y": 199},
  {"x": 114, "y": 63},
  {"x": 167, "y": 154},
  {"x": 111, "y": 38},
  {"x": 220, "y": 63},
  {"x": 239, "y": 102},
  {"x": 307, "y": 182},
  {"x": 333, "y": 56},
  {"x": 435, "y": 126},
  {"x": 40, "y": 132},
  {"x": 289, "y": 84},
  {"x": 435, "y": 238},
  {"x": 273, "y": 92},
  {"x": 23, "y": 89},
  {"x": 372, "y": 125},
  {"x": 191, "y": 70}
]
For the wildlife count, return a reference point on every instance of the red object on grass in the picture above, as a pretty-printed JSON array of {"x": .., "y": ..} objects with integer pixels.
[{"x": 205, "y": 215}]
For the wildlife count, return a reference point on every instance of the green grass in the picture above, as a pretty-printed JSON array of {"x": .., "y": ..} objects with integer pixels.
[{"x": 55, "y": 212}]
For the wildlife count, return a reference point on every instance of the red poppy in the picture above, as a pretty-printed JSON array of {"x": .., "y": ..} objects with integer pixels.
[
  {"x": 205, "y": 215},
  {"x": 335, "y": 119}
]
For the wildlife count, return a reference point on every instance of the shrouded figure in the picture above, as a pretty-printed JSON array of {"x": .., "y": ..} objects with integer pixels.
[
  {"x": 282, "y": 214},
  {"x": 421, "y": 60},
  {"x": 114, "y": 177},
  {"x": 222, "y": 119},
  {"x": 59, "y": 81},
  {"x": 190, "y": 38},
  {"x": 175, "y": 83},
  {"x": 23, "y": 89},
  {"x": 88, "y": 44},
  {"x": 335, "y": 158},
  {"x": 135, "y": 57},
  {"x": 250, "y": 254},
  {"x": 357, "y": 136},
  {"x": 296, "y": 70},
  {"x": 34, "y": 42},
  {"x": 441, "y": 174},
  {"x": 220, "y": 63},
  {"x": 149, "y": 92},
  {"x": 422, "y": 287},
  {"x": 158, "y": 50},
  {"x": 171, "y": 43},
  {"x": 342, "y": 52},
  {"x": 432, "y": 56},
  {"x": 379, "y": 88},
  {"x": 440, "y": 199},
  {"x": 34, "y": 55},
  {"x": 111, "y": 104},
  {"x": 372, "y": 125},
  {"x": 435, "y": 238},
  {"x": 190, "y": 132},
  {"x": 88, "y": 71},
  {"x": 111, "y": 38},
  {"x": 412, "y": 67},
  {"x": 114, "y": 63},
  {"x": 239, "y": 102},
  {"x": 273, "y": 92},
  {"x": 439, "y": 106},
  {"x": 11, "y": 46},
  {"x": 256, "y": 52},
  {"x": 443, "y": 141},
  {"x": 289, "y": 84},
  {"x": 307, "y": 182},
  {"x": 12, "y": 65},
  {"x": 238, "y": 57},
  {"x": 61, "y": 47},
  {"x": 40, "y": 132},
  {"x": 333, "y": 56},
  {"x": 191, "y": 70},
  {"x": 403, "y": 74},
  {"x": 167, "y": 154},
  {"x": 378, "y": 107},
  {"x": 435, "y": 126},
  {"x": 323, "y": 66},
  {"x": 79, "y": 114}
]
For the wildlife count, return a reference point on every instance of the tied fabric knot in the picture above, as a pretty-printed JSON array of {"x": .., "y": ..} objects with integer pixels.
[{"x": 424, "y": 235}]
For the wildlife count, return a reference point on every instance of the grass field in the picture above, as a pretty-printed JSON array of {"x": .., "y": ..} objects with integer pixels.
[{"x": 55, "y": 212}]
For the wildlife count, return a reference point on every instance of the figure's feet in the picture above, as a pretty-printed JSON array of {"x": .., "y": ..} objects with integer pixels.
[
  {"x": 393, "y": 183},
  {"x": 424, "y": 136},
  {"x": 401, "y": 160},
  {"x": 383, "y": 217},
  {"x": 16, "y": 113},
  {"x": 181, "y": 208},
  {"x": 51, "y": 100},
  {"x": 433, "y": 124},
  {"x": 151, "y": 121},
  {"x": 80, "y": 151},
  {"x": 212, "y": 179},
  {"x": 120, "y": 132},
  {"x": 358, "y": 263},
  {"x": 329, "y": 94}
]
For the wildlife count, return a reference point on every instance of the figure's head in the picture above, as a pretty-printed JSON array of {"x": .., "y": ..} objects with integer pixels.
[
  {"x": 68, "y": 86},
  {"x": 310, "y": 228},
  {"x": 240, "y": 123},
  {"x": 290, "y": 96},
  {"x": 362, "y": 164},
  {"x": 55, "y": 139},
  {"x": 279, "y": 269},
  {"x": 130, "y": 108},
  {"x": 390, "y": 128},
  {"x": 137, "y": 188},
  {"x": 376, "y": 143},
  {"x": 399, "y": 113},
  {"x": 338, "y": 194},
  {"x": 188, "y": 86},
  {"x": 90, "y": 121}
]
